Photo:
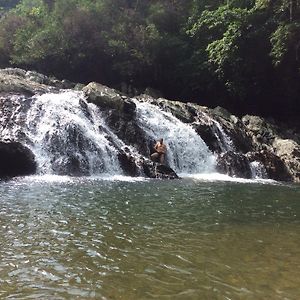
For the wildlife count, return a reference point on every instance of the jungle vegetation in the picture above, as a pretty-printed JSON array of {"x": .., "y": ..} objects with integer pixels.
[{"x": 243, "y": 55}]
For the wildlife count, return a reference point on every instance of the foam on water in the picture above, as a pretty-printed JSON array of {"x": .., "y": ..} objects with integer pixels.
[
  {"x": 50, "y": 178},
  {"x": 213, "y": 177}
]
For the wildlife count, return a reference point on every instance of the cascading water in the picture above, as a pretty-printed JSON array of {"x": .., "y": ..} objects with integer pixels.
[
  {"x": 258, "y": 170},
  {"x": 224, "y": 141},
  {"x": 67, "y": 135},
  {"x": 187, "y": 152}
]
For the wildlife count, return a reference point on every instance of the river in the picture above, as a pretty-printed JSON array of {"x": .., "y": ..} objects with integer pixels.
[{"x": 125, "y": 238}]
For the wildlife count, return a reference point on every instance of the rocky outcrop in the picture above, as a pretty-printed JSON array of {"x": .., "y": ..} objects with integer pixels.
[
  {"x": 155, "y": 170},
  {"x": 279, "y": 140},
  {"x": 236, "y": 142},
  {"x": 275, "y": 167},
  {"x": 289, "y": 151},
  {"x": 120, "y": 115},
  {"x": 234, "y": 164},
  {"x": 141, "y": 166},
  {"x": 18, "y": 81},
  {"x": 16, "y": 160}
]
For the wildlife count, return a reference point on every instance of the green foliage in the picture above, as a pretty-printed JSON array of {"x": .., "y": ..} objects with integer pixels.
[{"x": 241, "y": 54}]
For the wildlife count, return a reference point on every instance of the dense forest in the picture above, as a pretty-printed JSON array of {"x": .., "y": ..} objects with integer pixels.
[{"x": 243, "y": 55}]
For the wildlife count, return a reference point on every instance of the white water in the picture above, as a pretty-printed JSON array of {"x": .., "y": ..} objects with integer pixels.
[
  {"x": 186, "y": 151},
  {"x": 258, "y": 170},
  {"x": 63, "y": 130},
  {"x": 224, "y": 141},
  {"x": 60, "y": 126}
]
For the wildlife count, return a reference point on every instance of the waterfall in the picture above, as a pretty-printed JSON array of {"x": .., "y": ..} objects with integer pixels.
[
  {"x": 187, "y": 152},
  {"x": 258, "y": 170},
  {"x": 67, "y": 135},
  {"x": 224, "y": 141}
]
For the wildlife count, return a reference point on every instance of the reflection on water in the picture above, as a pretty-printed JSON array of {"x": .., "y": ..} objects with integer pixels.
[{"x": 96, "y": 239}]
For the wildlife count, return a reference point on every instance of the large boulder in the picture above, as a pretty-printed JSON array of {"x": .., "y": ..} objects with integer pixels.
[
  {"x": 282, "y": 141},
  {"x": 106, "y": 97},
  {"x": 261, "y": 131},
  {"x": 274, "y": 165},
  {"x": 289, "y": 151},
  {"x": 234, "y": 164},
  {"x": 128, "y": 163},
  {"x": 16, "y": 160}
]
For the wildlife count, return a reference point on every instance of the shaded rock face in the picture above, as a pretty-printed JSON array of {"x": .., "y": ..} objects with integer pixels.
[
  {"x": 234, "y": 164},
  {"x": 16, "y": 160}
]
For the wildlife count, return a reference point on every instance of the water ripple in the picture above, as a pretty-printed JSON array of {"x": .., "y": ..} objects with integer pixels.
[{"x": 95, "y": 239}]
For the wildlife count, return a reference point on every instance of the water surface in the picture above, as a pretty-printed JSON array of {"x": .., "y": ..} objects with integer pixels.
[{"x": 89, "y": 238}]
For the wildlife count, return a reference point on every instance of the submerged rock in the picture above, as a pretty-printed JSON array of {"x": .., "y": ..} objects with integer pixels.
[{"x": 16, "y": 160}]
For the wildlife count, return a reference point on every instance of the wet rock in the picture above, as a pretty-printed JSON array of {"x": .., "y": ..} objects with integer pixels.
[
  {"x": 234, "y": 164},
  {"x": 274, "y": 165},
  {"x": 209, "y": 136},
  {"x": 70, "y": 165},
  {"x": 155, "y": 170},
  {"x": 16, "y": 160},
  {"x": 128, "y": 164}
]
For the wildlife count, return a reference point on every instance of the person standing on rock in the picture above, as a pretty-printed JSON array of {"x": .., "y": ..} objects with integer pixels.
[{"x": 160, "y": 151}]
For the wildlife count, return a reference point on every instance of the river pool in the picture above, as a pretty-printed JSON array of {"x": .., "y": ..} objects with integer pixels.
[{"x": 119, "y": 238}]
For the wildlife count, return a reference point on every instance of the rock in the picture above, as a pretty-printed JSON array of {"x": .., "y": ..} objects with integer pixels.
[
  {"x": 120, "y": 115},
  {"x": 234, "y": 164},
  {"x": 16, "y": 160},
  {"x": 103, "y": 96},
  {"x": 222, "y": 112},
  {"x": 140, "y": 166},
  {"x": 72, "y": 165},
  {"x": 289, "y": 152},
  {"x": 36, "y": 77},
  {"x": 155, "y": 170},
  {"x": 260, "y": 130},
  {"x": 208, "y": 135},
  {"x": 275, "y": 167},
  {"x": 128, "y": 164},
  {"x": 153, "y": 93},
  {"x": 16, "y": 80},
  {"x": 178, "y": 109}
]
